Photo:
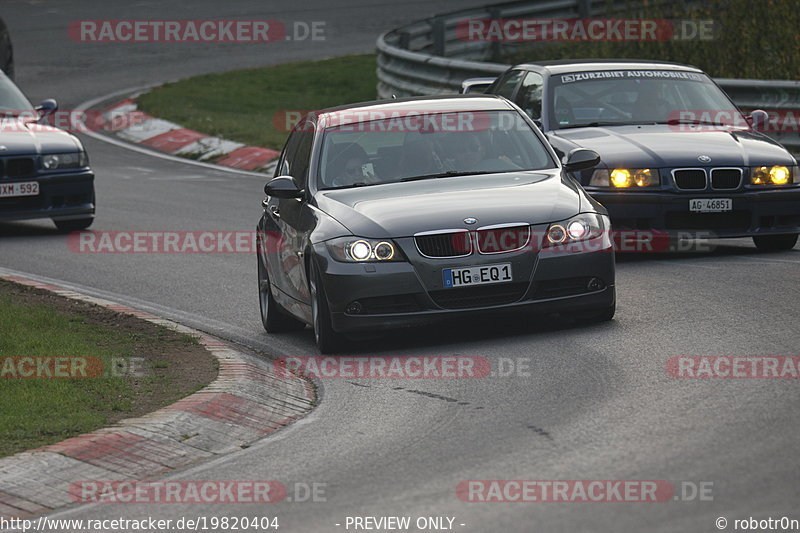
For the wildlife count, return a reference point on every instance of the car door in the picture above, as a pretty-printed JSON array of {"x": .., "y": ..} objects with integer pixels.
[{"x": 291, "y": 217}]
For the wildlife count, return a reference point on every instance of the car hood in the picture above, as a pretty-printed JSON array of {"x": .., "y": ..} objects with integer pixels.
[
  {"x": 403, "y": 209},
  {"x": 664, "y": 146},
  {"x": 25, "y": 138}
]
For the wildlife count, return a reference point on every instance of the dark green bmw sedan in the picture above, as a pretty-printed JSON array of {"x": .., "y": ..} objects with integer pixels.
[{"x": 402, "y": 212}]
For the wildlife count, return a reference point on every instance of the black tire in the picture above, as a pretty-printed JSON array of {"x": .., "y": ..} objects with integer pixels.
[
  {"x": 600, "y": 315},
  {"x": 273, "y": 317},
  {"x": 775, "y": 243},
  {"x": 73, "y": 225},
  {"x": 328, "y": 340}
]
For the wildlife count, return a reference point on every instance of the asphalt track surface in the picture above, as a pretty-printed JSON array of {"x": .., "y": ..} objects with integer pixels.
[{"x": 594, "y": 403}]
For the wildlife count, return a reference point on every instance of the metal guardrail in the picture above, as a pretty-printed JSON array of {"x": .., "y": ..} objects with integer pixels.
[{"x": 429, "y": 58}]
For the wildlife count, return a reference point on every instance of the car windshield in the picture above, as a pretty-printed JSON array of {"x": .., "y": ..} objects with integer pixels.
[
  {"x": 622, "y": 97},
  {"x": 411, "y": 146},
  {"x": 12, "y": 101}
]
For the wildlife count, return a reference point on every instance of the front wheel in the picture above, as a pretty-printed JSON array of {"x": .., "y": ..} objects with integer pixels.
[
  {"x": 327, "y": 339},
  {"x": 775, "y": 243},
  {"x": 273, "y": 318}
]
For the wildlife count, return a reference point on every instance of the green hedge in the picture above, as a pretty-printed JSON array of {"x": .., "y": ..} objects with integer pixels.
[{"x": 752, "y": 39}]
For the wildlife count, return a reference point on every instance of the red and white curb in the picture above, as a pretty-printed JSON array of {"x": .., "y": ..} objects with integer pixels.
[
  {"x": 246, "y": 401},
  {"x": 124, "y": 120}
]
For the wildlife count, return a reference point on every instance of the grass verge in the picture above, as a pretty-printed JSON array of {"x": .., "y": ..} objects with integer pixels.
[
  {"x": 256, "y": 106},
  {"x": 134, "y": 367}
]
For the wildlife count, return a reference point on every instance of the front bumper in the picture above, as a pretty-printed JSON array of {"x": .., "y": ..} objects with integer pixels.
[
  {"x": 754, "y": 212},
  {"x": 61, "y": 197},
  {"x": 404, "y": 293}
]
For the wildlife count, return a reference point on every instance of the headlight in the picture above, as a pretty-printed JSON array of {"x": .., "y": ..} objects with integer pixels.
[
  {"x": 774, "y": 175},
  {"x": 72, "y": 160},
  {"x": 580, "y": 228},
  {"x": 358, "y": 250},
  {"x": 621, "y": 178}
]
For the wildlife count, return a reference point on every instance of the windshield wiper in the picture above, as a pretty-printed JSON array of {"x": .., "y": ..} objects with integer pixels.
[
  {"x": 350, "y": 186},
  {"x": 674, "y": 121},
  {"x": 452, "y": 173},
  {"x": 596, "y": 124}
]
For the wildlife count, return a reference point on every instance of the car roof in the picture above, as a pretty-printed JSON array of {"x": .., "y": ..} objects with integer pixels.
[
  {"x": 561, "y": 66},
  {"x": 378, "y": 109}
]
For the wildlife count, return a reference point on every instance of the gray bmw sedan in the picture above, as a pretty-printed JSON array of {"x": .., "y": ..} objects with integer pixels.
[{"x": 400, "y": 212}]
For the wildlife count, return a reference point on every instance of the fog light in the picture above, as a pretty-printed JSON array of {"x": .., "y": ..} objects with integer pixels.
[
  {"x": 596, "y": 284},
  {"x": 354, "y": 308}
]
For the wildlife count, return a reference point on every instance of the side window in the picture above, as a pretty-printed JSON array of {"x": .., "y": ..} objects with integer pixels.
[
  {"x": 284, "y": 164},
  {"x": 507, "y": 83},
  {"x": 302, "y": 157},
  {"x": 529, "y": 97}
]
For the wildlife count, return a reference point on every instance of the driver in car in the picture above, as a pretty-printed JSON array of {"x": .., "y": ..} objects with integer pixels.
[
  {"x": 351, "y": 166},
  {"x": 469, "y": 154}
]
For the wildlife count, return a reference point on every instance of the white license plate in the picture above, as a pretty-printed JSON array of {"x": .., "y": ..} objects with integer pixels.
[
  {"x": 477, "y": 275},
  {"x": 27, "y": 188},
  {"x": 710, "y": 205}
]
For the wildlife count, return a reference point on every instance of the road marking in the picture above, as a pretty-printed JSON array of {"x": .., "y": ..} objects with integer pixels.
[{"x": 135, "y": 148}]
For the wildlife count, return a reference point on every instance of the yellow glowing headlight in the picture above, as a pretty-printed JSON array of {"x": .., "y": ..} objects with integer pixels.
[
  {"x": 621, "y": 177},
  {"x": 643, "y": 177},
  {"x": 759, "y": 175},
  {"x": 775, "y": 175},
  {"x": 779, "y": 175}
]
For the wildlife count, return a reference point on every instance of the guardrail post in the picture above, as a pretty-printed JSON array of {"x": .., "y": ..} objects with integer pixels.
[
  {"x": 437, "y": 36},
  {"x": 403, "y": 40},
  {"x": 584, "y": 8},
  {"x": 495, "y": 48}
]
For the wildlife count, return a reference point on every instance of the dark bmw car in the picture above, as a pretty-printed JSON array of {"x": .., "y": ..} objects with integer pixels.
[
  {"x": 44, "y": 171},
  {"x": 401, "y": 212},
  {"x": 677, "y": 155}
]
